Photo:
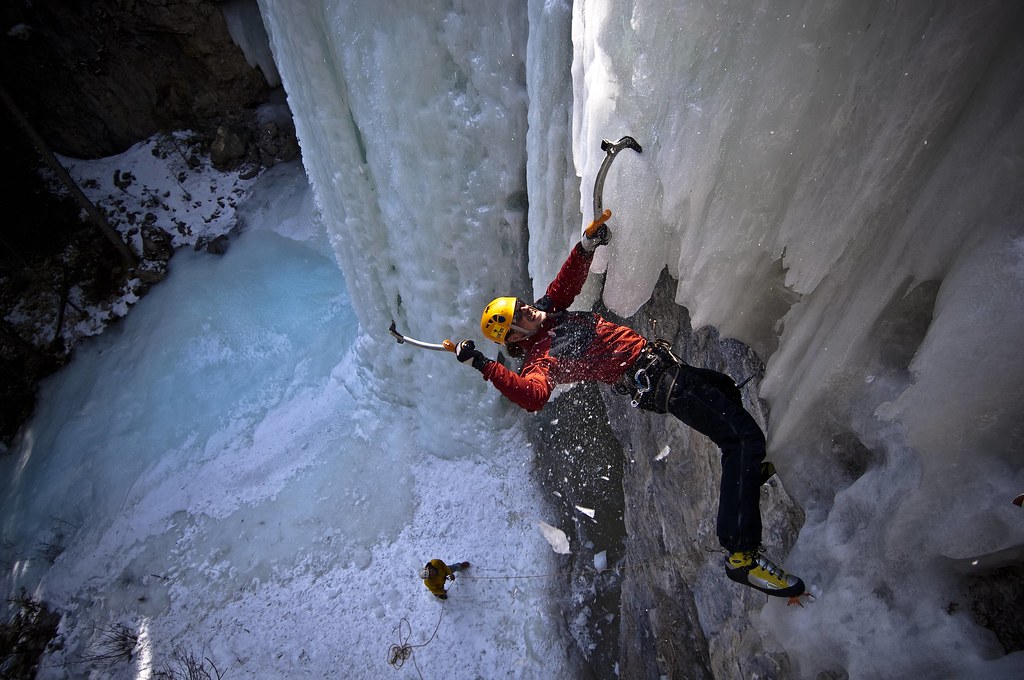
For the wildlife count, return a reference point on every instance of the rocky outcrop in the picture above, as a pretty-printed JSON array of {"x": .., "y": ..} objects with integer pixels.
[
  {"x": 252, "y": 146},
  {"x": 91, "y": 79},
  {"x": 681, "y": 617},
  {"x": 97, "y": 77},
  {"x": 663, "y": 608}
]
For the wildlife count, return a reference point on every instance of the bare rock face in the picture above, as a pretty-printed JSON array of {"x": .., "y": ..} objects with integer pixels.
[
  {"x": 96, "y": 77},
  {"x": 681, "y": 616},
  {"x": 229, "y": 145},
  {"x": 641, "y": 491}
]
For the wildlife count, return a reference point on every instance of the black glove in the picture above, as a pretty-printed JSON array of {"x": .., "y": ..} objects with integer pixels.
[
  {"x": 467, "y": 353},
  {"x": 600, "y": 238}
]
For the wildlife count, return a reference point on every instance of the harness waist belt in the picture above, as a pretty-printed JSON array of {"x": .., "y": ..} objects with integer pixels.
[{"x": 646, "y": 372}]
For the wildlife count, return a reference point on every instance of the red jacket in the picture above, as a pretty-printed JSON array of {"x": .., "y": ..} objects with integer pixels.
[{"x": 570, "y": 346}]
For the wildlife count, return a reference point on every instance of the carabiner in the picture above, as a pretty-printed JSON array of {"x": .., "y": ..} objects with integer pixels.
[{"x": 643, "y": 386}]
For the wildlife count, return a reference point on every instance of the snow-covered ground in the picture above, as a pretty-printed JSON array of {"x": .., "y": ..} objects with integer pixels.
[{"x": 222, "y": 478}]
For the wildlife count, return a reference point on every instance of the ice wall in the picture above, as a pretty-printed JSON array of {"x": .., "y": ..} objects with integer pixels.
[
  {"x": 246, "y": 28},
  {"x": 412, "y": 122},
  {"x": 555, "y": 190},
  {"x": 838, "y": 186},
  {"x": 834, "y": 184},
  {"x": 809, "y": 170}
]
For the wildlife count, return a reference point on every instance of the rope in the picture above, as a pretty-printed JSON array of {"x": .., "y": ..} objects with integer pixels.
[
  {"x": 400, "y": 653},
  {"x": 629, "y": 567}
]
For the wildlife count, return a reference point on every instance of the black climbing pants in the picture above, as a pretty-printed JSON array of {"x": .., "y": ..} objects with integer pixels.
[{"x": 709, "y": 402}]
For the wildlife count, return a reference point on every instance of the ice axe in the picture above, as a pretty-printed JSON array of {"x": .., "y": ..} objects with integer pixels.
[
  {"x": 444, "y": 346},
  {"x": 611, "y": 150}
]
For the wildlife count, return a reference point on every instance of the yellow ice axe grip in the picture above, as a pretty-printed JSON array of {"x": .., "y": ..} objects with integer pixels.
[{"x": 601, "y": 219}]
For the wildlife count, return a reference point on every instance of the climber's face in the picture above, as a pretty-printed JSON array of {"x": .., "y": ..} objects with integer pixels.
[{"x": 526, "y": 322}]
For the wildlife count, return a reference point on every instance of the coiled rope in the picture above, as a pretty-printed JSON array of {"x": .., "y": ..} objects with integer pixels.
[{"x": 400, "y": 653}]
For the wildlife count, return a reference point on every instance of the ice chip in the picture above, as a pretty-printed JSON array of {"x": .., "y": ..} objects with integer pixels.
[{"x": 555, "y": 537}]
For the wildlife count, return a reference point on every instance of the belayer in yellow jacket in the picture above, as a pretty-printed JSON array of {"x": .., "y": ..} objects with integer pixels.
[{"x": 435, "y": 573}]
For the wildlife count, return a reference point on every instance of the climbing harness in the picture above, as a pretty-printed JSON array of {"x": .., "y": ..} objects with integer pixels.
[
  {"x": 647, "y": 371},
  {"x": 643, "y": 386}
]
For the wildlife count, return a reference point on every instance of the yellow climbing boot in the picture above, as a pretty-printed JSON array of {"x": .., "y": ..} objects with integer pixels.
[{"x": 753, "y": 569}]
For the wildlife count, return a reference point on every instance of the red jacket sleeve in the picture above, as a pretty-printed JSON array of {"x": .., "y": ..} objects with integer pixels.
[
  {"x": 531, "y": 390},
  {"x": 570, "y": 279}
]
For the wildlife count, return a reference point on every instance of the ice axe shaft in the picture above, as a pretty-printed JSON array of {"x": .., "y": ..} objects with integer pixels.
[
  {"x": 611, "y": 150},
  {"x": 444, "y": 346}
]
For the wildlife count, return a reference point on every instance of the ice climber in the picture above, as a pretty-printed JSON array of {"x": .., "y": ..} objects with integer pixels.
[
  {"x": 561, "y": 347},
  {"x": 436, "y": 573}
]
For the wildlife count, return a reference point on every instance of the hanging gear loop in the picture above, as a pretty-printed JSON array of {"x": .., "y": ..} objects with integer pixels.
[{"x": 646, "y": 375}]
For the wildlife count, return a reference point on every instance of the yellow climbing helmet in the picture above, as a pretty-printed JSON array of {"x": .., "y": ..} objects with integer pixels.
[{"x": 496, "y": 320}]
